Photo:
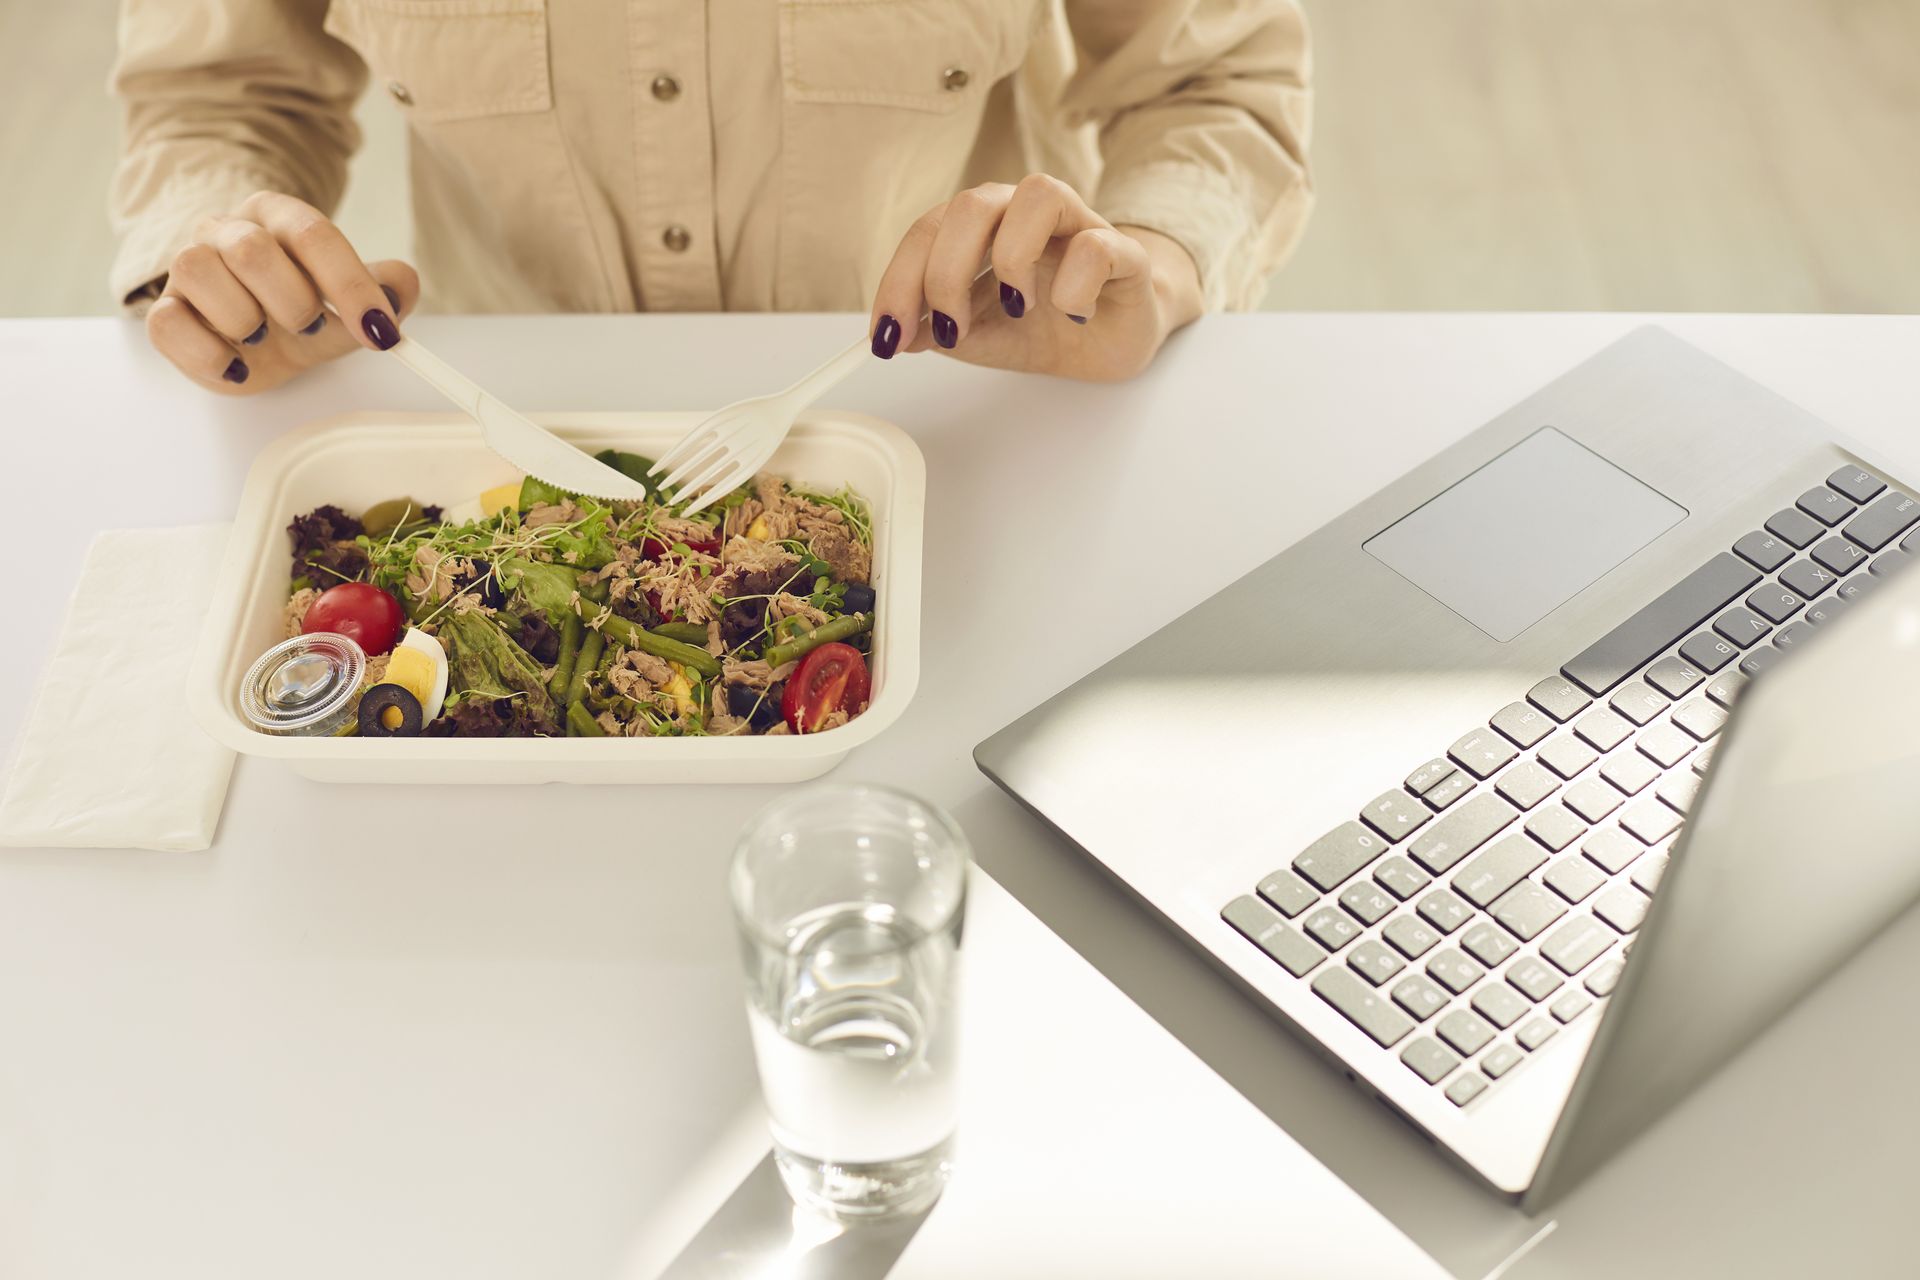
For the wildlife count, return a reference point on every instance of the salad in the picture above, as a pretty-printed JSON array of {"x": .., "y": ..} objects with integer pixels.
[{"x": 539, "y": 613}]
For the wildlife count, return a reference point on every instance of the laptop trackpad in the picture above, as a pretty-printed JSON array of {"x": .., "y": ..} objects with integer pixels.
[{"x": 1525, "y": 533}]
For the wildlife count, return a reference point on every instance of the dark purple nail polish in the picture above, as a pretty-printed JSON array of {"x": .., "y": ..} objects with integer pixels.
[
  {"x": 393, "y": 299},
  {"x": 319, "y": 323},
  {"x": 1077, "y": 319},
  {"x": 236, "y": 371},
  {"x": 379, "y": 329},
  {"x": 257, "y": 337},
  {"x": 886, "y": 337},
  {"x": 1012, "y": 301},
  {"x": 945, "y": 331}
]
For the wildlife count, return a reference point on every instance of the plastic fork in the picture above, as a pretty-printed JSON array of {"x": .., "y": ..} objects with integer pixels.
[{"x": 729, "y": 448}]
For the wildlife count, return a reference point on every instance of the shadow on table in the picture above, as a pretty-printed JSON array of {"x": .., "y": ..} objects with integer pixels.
[{"x": 760, "y": 1232}]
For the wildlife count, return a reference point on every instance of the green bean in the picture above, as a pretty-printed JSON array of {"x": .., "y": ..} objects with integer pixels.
[
  {"x": 844, "y": 627},
  {"x": 608, "y": 657},
  {"x": 581, "y": 724},
  {"x": 693, "y": 633},
  {"x": 570, "y": 629},
  {"x": 585, "y": 664},
  {"x": 624, "y": 632}
]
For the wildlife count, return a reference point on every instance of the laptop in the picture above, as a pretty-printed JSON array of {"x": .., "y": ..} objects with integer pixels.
[{"x": 1537, "y": 784}]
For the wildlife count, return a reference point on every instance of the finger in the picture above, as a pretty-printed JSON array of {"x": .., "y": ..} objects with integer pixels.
[
  {"x": 200, "y": 276},
  {"x": 263, "y": 268},
  {"x": 323, "y": 252},
  {"x": 959, "y": 247},
  {"x": 1042, "y": 208},
  {"x": 1096, "y": 261},
  {"x": 897, "y": 303},
  {"x": 401, "y": 284},
  {"x": 178, "y": 333}
]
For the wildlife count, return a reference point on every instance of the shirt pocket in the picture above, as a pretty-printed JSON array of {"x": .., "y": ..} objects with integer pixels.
[
  {"x": 939, "y": 57},
  {"x": 448, "y": 60}
]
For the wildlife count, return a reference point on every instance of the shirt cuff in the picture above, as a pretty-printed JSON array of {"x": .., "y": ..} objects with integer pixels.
[
  {"x": 150, "y": 238},
  {"x": 1203, "y": 211}
]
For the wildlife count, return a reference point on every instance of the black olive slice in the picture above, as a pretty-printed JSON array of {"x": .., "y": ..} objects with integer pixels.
[{"x": 375, "y": 703}]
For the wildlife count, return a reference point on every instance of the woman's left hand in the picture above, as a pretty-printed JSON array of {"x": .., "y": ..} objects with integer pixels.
[{"x": 1076, "y": 296}]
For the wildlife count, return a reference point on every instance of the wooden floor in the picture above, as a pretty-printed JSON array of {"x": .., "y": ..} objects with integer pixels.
[{"x": 1719, "y": 155}]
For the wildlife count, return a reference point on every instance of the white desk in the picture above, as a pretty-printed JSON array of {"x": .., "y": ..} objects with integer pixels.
[{"x": 450, "y": 1032}]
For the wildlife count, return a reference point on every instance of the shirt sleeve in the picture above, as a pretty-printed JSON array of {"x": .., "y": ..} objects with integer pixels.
[
  {"x": 222, "y": 98},
  {"x": 1203, "y": 109}
]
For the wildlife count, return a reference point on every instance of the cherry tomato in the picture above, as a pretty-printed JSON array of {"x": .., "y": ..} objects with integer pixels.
[
  {"x": 831, "y": 678},
  {"x": 364, "y": 614}
]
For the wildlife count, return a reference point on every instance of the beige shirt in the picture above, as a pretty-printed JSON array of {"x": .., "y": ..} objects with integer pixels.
[{"x": 587, "y": 155}]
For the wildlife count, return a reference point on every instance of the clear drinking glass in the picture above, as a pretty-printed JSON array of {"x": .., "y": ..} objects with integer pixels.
[{"x": 850, "y": 902}]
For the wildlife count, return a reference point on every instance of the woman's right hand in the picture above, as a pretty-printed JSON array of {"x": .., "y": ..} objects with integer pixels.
[{"x": 246, "y": 305}]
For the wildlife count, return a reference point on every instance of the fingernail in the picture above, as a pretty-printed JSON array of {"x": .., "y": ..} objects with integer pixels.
[
  {"x": 1012, "y": 301},
  {"x": 886, "y": 337},
  {"x": 1076, "y": 319},
  {"x": 236, "y": 371},
  {"x": 319, "y": 323},
  {"x": 379, "y": 329},
  {"x": 393, "y": 299},
  {"x": 257, "y": 337},
  {"x": 945, "y": 331}
]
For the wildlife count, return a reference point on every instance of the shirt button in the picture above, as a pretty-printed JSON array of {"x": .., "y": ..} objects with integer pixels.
[
  {"x": 954, "y": 79},
  {"x": 400, "y": 93},
  {"x": 666, "y": 88},
  {"x": 676, "y": 238}
]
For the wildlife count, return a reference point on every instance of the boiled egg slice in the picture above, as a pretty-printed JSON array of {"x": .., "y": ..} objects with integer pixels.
[{"x": 418, "y": 664}]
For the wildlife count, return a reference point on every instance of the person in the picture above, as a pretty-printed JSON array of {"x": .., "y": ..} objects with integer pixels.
[{"x": 1123, "y": 165}]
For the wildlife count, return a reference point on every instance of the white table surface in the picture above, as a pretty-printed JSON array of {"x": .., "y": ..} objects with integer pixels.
[{"x": 447, "y": 1032}]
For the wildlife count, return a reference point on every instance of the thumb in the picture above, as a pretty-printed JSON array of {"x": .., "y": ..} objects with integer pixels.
[{"x": 401, "y": 282}]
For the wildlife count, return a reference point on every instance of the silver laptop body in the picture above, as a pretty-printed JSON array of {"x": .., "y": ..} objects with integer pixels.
[{"x": 1300, "y": 774}]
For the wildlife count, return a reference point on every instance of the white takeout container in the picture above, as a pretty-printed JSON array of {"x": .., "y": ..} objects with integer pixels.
[{"x": 359, "y": 459}]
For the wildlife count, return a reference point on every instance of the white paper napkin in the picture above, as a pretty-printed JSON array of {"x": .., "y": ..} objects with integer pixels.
[{"x": 110, "y": 757}]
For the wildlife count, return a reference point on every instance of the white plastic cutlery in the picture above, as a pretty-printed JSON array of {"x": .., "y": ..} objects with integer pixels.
[{"x": 525, "y": 444}]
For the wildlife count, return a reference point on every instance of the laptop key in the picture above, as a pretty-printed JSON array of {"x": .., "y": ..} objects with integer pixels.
[
  {"x": 1454, "y": 971},
  {"x": 1444, "y": 911},
  {"x": 1665, "y": 745},
  {"x": 1890, "y": 562},
  {"x": 1859, "y": 485},
  {"x": 1573, "y": 878},
  {"x": 1592, "y": 799},
  {"x": 1556, "y": 696},
  {"x": 1287, "y": 893},
  {"x": 1795, "y": 528},
  {"x": 1498, "y": 869},
  {"x": 1825, "y": 505},
  {"x": 1430, "y": 1059},
  {"x": 1606, "y": 976},
  {"x": 1482, "y": 752},
  {"x": 1429, "y": 775},
  {"x": 1522, "y": 724},
  {"x": 1459, "y": 833},
  {"x": 1501, "y": 1059},
  {"x": 1807, "y": 578},
  {"x": 1536, "y": 1033},
  {"x": 1526, "y": 784},
  {"x": 1629, "y": 771},
  {"x": 1374, "y": 962},
  {"x": 1556, "y": 827},
  {"x": 1742, "y": 626},
  {"x": 1533, "y": 979},
  {"x": 1825, "y": 611},
  {"x": 1773, "y": 602},
  {"x": 1700, "y": 718},
  {"x": 1839, "y": 555},
  {"x": 1526, "y": 910},
  {"x": 1328, "y": 861},
  {"x": 1762, "y": 550},
  {"x": 1623, "y": 907},
  {"x": 1395, "y": 815},
  {"x": 1330, "y": 928},
  {"x": 1465, "y": 1087},
  {"x": 1411, "y": 936},
  {"x": 1647, "y": 872},
  {"x": 1448, "y": 789},
  {"x": 1760, "y": 659},
  {"x": 1570, "y": 1006},
  {"x": 1858, "y": 587},
  {"x": 1674, "y": 675},
  {"x": 1677, "y": 790},
  {"x": 1795, "y": 633},
  {"x": 1576, "y": 944},
  {"x": 1884, "y": 521},
  {"x": 1638, "y": 701},
  {"x": 1419, "y": 997},
  {"x": 1497, "y": 1003},
  {"x": 1365, "y": 1009},
  {"x": 1676, "y": 611},
  {"x": 1725, "y": 687},
  {"x": 1465, "y": 1032},
  {"x": 1401, "y": 877},
  {"x": 1260, "y": 926},
  {"x": 1611, "y": 850},
  {"x": 1708, "y": 652},
  {"x": 1366, "y": 901},
  {"x": 1487, "y": 944},
  {"x": 1603, "y": 729},
  {"x": 1649, "y": 821}
]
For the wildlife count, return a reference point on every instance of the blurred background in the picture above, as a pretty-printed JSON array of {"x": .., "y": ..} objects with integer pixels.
[{"x": 1642, "y": 155}]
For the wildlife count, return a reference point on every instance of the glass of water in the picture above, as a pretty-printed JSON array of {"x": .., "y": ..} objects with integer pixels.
[{"x": 849, "y": 901}]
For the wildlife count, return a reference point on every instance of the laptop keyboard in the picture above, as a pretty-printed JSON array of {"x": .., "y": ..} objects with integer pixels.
[{"x": 1461, "y": 918}]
